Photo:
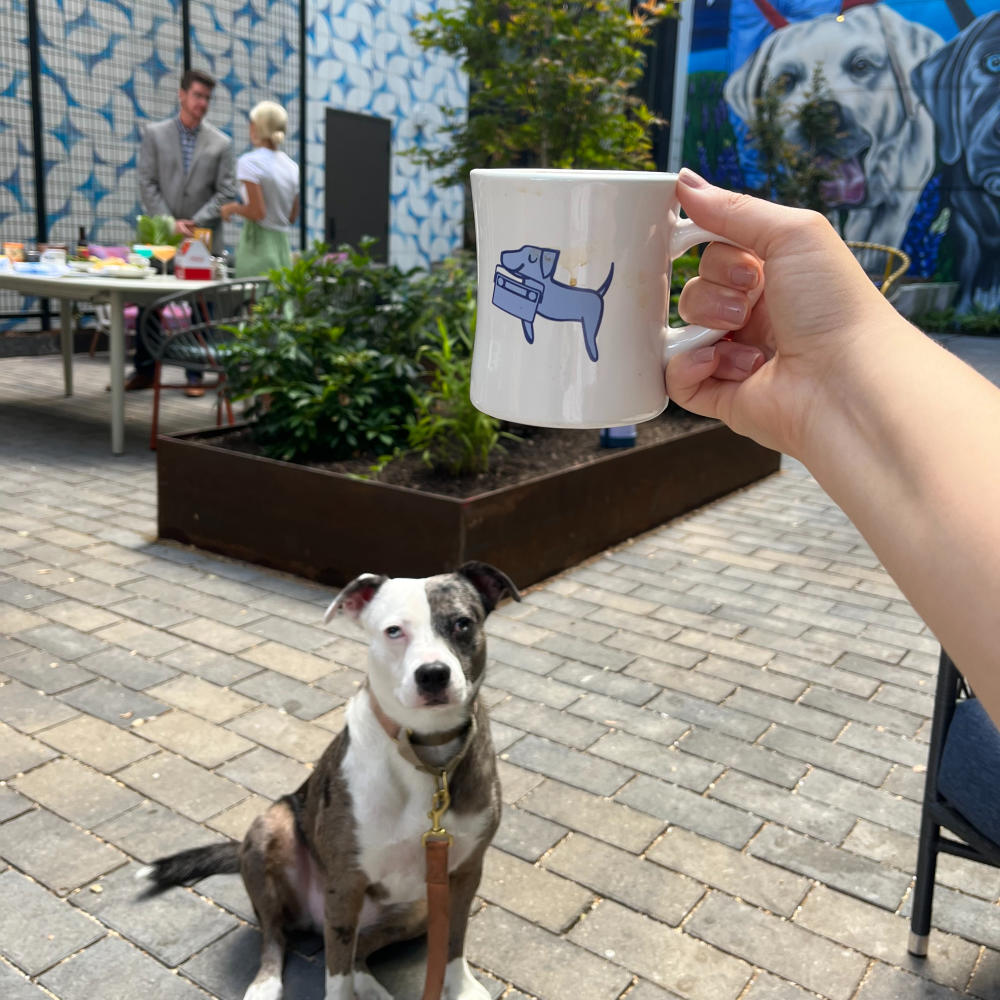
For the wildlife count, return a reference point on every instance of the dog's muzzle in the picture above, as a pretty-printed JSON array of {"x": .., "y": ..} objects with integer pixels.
[{"x": 432, "y": 681}]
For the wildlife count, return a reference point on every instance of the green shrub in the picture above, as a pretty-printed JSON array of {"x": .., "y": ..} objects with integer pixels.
[
  {"x": 686, "y": 266},
  {"x": 978, "y": 323},
  {"x": 796, "y": 171},
  {"x": 449, "y": 432},
  {"x": 551, "y": 85},
  {"x": 348, "y": 357},
  {"x": 329, "y": 362}
]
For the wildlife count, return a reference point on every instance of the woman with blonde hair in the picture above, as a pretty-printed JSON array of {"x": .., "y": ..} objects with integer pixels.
[{"x": 269, "y": 184}]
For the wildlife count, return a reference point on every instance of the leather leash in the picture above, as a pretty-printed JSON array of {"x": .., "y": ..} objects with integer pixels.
[{"x": 436, "y": 840}]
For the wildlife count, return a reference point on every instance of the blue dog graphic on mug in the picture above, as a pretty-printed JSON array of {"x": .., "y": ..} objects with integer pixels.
[{"x": 530, "y": 290}]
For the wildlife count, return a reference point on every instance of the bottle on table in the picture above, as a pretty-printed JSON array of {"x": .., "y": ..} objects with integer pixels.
[{"x": 618, "y": 437}]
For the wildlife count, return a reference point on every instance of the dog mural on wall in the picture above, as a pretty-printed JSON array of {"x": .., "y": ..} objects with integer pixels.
[
  {"x": 886, "y": 152},
  {"x": 960, "y": 84},
  {"x": 530, "y": 289}
]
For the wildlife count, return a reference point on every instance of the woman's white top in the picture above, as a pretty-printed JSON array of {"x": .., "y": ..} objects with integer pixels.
[{"x": 278, "y": 177}]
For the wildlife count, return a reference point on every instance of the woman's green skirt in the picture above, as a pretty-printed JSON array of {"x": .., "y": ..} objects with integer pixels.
[{"x": 261, "y": 250}]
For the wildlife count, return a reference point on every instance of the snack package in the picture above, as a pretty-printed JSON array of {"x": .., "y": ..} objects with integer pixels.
[{"x": 193, "y": 261}]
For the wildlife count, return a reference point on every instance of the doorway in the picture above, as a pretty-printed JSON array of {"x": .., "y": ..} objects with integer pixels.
[{"x": 358, "y": 155}]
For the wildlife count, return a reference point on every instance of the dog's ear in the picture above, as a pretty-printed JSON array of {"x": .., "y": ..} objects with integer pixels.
[
  {"x": 907, "y": 43},
  {"x": 492, "y": 585},
  {"x": 548, "y": 265},
  {"x": 356, "y": 596},
  {"x": 939, "y": 84},
  {"x": 933, "y": 82},
  {"x": 746, "y": 84}
]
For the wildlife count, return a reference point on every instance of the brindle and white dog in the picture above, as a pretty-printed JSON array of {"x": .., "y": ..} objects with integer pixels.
[{"x": 343, "y": 853}]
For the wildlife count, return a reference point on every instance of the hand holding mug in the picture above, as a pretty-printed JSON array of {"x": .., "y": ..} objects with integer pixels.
[{"x": 818, "y": 316}]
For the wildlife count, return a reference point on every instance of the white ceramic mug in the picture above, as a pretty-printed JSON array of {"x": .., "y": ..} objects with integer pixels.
[
  {"x": 574, "y": 289},
  {"x": 55, "y": 256}
]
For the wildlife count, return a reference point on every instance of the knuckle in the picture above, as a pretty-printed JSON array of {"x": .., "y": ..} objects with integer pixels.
[
  {"x": 737, "y": 201},
  {"x": 815, "y": 223}
]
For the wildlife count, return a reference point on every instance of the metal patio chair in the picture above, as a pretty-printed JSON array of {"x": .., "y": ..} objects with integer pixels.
[
  {"x": 884, "y": 264},
  {"x": 961, "y": 794},
  {"x": 199, "y": 342}
]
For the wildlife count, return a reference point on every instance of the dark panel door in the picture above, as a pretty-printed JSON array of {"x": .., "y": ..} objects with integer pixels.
[
  {"x": 657, "y": 86},
  {"x": 357, "y": 179}
]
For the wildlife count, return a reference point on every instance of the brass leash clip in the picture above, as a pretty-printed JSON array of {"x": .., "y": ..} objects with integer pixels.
[{"x": 440, "y": 803}]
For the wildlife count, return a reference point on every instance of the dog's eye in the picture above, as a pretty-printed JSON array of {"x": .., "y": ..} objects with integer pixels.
[
  {"x": 784, "y": 83},
  {"x": 860, "y": 66},
  {"x": 991, "y": 62},
  {"x": 532, "y": 258},
  {"x": 462, "y": 626},
  {"x": 394, "y": 632}
]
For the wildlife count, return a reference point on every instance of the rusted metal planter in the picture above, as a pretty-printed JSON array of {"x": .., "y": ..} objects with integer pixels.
[{"x": 329, "y": 527}]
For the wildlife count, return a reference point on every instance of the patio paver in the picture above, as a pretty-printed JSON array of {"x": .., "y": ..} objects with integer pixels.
[{"x": 712, "y": 743}]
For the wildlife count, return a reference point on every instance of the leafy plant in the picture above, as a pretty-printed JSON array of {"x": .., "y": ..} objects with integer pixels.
[
  {"x": 686, "y": 266},
  {"x": 980, "y": 323},
  {"x": 796, "y": 170},
  {"x": 551, "y": 84},
  {"x": 156, "y": 230},
  {"x": 977, "y": 323},
  {"x": 449, "y": 432},
  {"x": 329, "y": 361}
]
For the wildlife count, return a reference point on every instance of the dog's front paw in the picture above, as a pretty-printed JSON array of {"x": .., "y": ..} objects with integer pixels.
[
  {"x": 461, "y": 984},
  {"x": 267, "y": 989},
  {"x": 367, "y": 987}
]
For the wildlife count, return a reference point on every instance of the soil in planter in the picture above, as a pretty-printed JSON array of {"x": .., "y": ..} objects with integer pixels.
[{"x": 535, "y": 452}]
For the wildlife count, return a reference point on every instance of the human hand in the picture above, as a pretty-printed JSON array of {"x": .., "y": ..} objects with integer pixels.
[
  {"x": 801, "y": 309},
  {"x": 228, "y": 210},
  {"x": 185, "y": 227}
]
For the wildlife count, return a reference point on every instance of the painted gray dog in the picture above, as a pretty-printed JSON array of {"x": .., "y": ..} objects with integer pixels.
[
  {"x": 960, "y": 84},
  {"x": 558, "y": 301}
]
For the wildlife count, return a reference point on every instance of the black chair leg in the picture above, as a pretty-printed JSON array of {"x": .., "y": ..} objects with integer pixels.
[{"x": 923, "y": 889}]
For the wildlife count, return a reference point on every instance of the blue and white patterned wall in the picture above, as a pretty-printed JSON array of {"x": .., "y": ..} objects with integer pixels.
[
  {"x": 362, "y": 58},
  {"x": 109, "y": 66}
]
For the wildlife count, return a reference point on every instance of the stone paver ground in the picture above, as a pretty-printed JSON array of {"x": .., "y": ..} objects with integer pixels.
[{"x": 712, "y": 746}]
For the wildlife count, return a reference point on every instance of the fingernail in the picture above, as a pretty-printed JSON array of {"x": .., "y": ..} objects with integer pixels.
[
  {"x": 702, "y": 355},
  {"x": 691, "y": 179},
  {"x": 732, "y": 312},
  {"x": 744, "y": 277},
  {"x": 745, "y": 358}
]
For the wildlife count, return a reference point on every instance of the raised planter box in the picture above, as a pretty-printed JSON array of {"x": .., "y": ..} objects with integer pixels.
[
  {"x": 329, "y": 527},
  {"x": 916, "y": 297}
]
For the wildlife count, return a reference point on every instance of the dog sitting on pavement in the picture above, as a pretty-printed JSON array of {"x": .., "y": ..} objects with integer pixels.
[{"x": 343, "y": 854}]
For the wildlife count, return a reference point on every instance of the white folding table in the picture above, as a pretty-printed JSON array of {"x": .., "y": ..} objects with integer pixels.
[{"x": 117, "y": 292}]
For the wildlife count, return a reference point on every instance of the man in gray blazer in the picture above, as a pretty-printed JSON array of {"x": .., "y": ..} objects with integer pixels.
[
  {"x": 186, "y": 166},
  {"x": 186, "y": 171}
]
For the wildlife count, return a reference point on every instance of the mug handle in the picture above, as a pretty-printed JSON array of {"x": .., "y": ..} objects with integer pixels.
[{"x": 676, "y": 339}]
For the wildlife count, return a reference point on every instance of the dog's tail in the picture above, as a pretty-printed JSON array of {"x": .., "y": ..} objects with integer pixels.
[
  {"x": 607, "y": 281},
  {"x": 191, "y": 865}
]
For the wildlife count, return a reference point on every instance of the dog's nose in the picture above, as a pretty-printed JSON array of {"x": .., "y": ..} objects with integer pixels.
[{"x": 432, "y": 678}]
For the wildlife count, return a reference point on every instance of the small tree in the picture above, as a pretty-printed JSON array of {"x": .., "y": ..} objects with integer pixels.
[
  {"x": 552, "y": 84},
  {"x": 796, "y": 169}
]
